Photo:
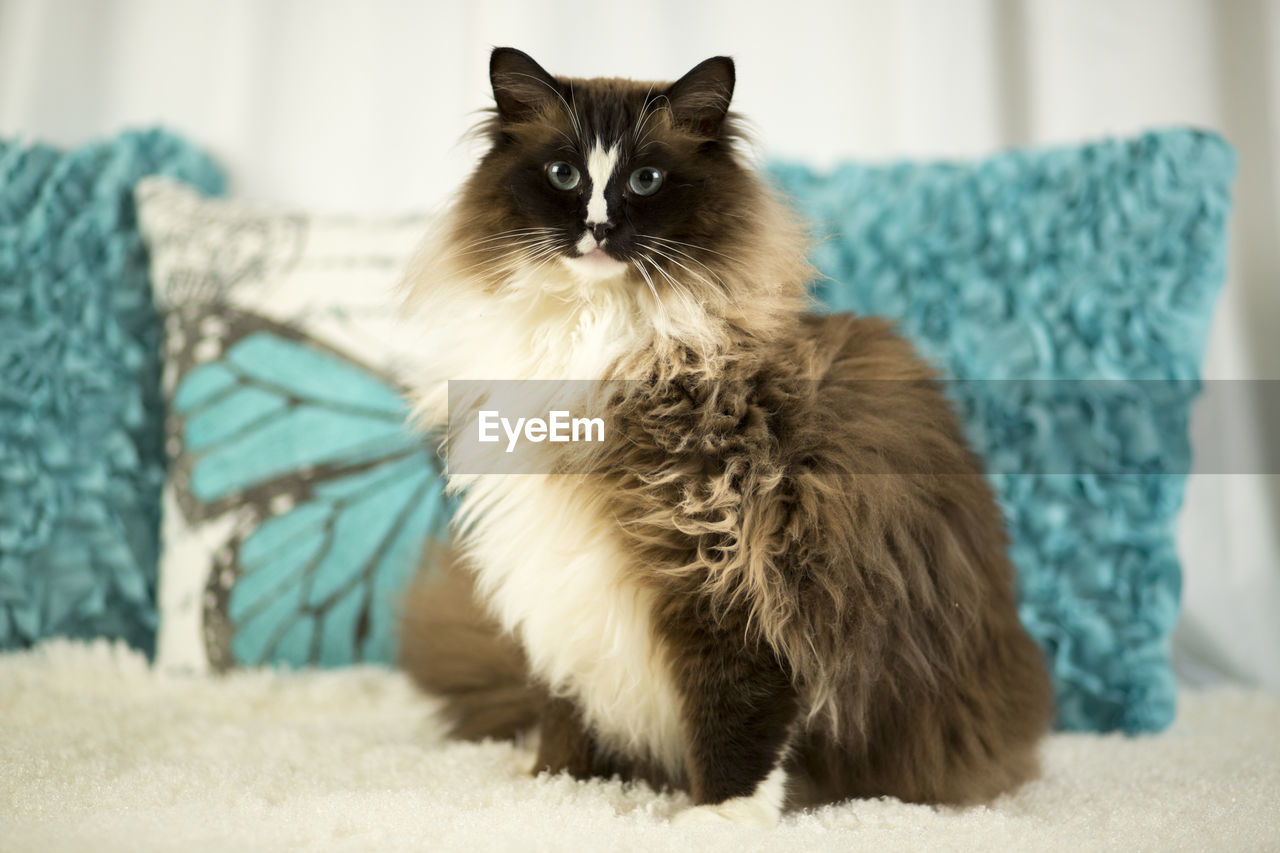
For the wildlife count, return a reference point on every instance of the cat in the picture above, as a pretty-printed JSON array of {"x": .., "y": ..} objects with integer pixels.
[{"x": 785, "y": 581}]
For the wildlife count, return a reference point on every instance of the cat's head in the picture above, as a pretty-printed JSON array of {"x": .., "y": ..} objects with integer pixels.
[
  {"x": 609, "y": 178},
  {"x": 595, "y": 188}
]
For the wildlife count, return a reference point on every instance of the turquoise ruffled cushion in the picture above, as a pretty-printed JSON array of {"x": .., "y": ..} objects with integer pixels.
[
  {"x": 1097, "y": 264},
  {"x": 80, "y": 409}
]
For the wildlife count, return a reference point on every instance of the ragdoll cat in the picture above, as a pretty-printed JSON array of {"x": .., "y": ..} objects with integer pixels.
[{"x": 786, "y": 579}]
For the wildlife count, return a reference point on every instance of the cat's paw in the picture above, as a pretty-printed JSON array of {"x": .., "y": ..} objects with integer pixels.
[
  {"x": 740, "y": 811},
  {"x": 761, "y": 809}
]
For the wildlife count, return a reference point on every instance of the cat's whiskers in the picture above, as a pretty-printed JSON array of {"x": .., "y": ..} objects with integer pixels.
[
  {"x": 512, "y": 232},
  {"x": 658, "y": 269},
  {"x": 507, "y": 257},
  {"x": 718, "y": 281},
  {"x": 510, "y": 251},
  {"x": 718, "y": 284},
  {"x": 473, "y": 246},
  {"x": 678, "y": 287},
  {"x": 541, "y": 252},
  {"x": 672, "y": 246},
  {"x": 657, "y": 301},
  {"x": 694, "y": 246},
  {"x": 543, "y": 258}
]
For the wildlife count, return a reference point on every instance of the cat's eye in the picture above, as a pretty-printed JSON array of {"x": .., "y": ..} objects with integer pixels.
[
  {"x": 645, "y": 181},
  {"x": 562, "y": 175}
]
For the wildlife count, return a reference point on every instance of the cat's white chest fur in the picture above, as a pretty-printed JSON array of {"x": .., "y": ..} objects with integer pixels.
[
  {"x": 549, "y": 561},
  {"x": 550, "y": 566}
]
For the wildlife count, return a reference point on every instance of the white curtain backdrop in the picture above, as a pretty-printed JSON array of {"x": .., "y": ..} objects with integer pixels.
[{"x": 359, "y": 105}]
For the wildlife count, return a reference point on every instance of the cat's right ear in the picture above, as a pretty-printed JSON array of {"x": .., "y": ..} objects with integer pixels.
[
  {"x": 521, "y": 87},
  {"x": 700, "y": 99}
]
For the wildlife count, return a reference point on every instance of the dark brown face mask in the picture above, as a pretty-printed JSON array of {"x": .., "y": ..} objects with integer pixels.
[{"x": 611, "y": 175}]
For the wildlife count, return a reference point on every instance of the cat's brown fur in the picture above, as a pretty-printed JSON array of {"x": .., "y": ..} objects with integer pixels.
[
  {"x": 826, "y": 562},
  {"x": 832, "y": 571}
]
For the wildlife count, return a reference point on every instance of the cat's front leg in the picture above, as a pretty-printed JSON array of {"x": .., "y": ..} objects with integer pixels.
[{"x": 739, "y": 709}]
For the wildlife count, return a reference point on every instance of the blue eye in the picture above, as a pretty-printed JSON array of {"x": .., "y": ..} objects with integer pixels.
[
  {"x": 645, "y": 181},
  {"x": 562, "y": 175}
]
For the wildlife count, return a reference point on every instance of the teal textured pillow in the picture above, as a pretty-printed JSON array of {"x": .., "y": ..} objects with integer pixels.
[
  {"x": 1087, "y": 276},
  {"x": 80, "y": 408}
]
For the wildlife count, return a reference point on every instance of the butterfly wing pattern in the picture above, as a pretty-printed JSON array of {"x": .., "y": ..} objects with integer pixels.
[{"x": 333, "y": 500}]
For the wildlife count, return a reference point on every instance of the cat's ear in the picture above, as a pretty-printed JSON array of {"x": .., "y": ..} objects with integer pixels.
[
  {"x": 700, "y": 99},
  {"x": 521, "y": 87}
]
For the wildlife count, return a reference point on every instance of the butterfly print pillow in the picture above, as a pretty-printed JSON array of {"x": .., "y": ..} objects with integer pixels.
[{"x": 297, "y": 504}]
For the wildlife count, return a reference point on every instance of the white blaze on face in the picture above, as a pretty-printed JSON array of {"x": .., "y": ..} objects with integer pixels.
[
  {"x": 600, "y": 165},
  {"x": 592, "y": 265}
]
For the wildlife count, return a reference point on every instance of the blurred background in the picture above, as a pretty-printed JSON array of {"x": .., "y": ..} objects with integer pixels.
[{"x": 341, "y": 105}]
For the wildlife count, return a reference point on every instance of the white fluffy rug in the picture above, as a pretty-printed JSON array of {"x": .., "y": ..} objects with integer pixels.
[{"x": 98, "y": 752}]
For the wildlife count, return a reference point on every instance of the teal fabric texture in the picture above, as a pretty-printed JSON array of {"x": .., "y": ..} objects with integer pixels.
[
  {"x": 81, "y": 417},
  {"x": 1052, "y": 289}
]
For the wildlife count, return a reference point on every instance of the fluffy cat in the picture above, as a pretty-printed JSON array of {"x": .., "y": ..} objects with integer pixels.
[{"x": 786, "y": 580}]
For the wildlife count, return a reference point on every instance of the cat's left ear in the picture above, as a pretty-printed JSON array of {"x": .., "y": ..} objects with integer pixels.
[
  {"x": 700, "y": 99},
  {"x": 521, "y": 87}
]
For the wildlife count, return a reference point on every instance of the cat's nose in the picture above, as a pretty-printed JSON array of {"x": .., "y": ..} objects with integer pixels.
[{"x": 600, "y": 230}]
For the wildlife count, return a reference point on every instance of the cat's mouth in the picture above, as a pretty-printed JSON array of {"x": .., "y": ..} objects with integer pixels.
[{"x": 595, "y": 263}]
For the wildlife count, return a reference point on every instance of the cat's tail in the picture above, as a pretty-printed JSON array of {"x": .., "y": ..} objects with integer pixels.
[{"x": 456, "y": 652}]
